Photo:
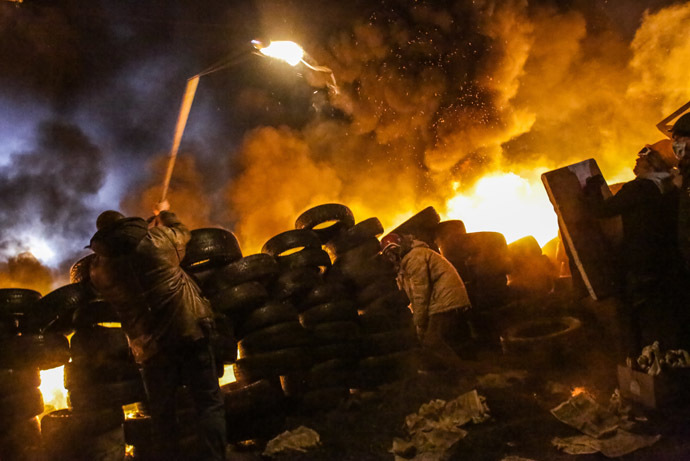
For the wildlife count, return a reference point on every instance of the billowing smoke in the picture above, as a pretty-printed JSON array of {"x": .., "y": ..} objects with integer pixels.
[
  {"x": 25, "y": 271},
  {"x": 46, "y": 192},
  {"x": 432, "y": 97}
]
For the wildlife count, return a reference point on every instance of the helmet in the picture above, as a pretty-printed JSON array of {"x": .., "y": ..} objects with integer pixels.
[
  {"x": 390, "y": 241},
  {"x": 682, "y": 126},
  {"x": 108, "y": 218}
]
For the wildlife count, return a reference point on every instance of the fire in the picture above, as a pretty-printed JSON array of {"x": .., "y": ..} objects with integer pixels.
[
  {"x": 53, "y": 389},
  {"x": 228, "y": 375},
  {"x": 577, "y": 391},
  {"x": 287, "y": 51},
  {"x": 513, "y": 205}
]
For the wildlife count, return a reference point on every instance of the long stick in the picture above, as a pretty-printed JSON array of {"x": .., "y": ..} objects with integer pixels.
[
  {"x": 187, "y": 100},
  {"x": 662, "y": 125}
]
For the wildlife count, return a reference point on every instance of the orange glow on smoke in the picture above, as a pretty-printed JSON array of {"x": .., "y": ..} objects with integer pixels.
[{"x": 577, "y": 391}]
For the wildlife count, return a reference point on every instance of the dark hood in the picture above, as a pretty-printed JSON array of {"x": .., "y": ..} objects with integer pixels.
[{"x": 120, "y": 238}]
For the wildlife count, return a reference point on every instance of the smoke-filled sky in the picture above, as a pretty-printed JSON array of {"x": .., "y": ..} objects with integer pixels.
[{"x": 431, "y": 97}]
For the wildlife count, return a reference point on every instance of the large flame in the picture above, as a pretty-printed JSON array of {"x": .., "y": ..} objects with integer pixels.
[{"x": 53, "y": 389}]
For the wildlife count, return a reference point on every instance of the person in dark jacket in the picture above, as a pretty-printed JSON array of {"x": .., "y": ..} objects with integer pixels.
[
  {"x": 651, "y": 266},
  {"x": 167, "y": 322},
  {"x": 438, "y": 300},
  {"x": 680, "y": 133}
]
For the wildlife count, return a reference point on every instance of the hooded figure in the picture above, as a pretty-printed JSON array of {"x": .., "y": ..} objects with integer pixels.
[
  {"x": 438, "y": 299},
  {"x": 167, "y": 322},
  {"x": 651, "y": 264}
]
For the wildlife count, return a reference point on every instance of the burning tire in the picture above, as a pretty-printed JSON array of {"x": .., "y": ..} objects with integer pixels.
[
  {"x": 296, "y": 283},
  {"x": 210, "y": 247},
  {"x": 272, "y": 313},
  {"x": 291, "y": 240},
  {"x": 262, "y": 268},
  {"x": 309, "y": 257},
  {"x": 271, "y": 364},
  {"x": 328, "y": 312},
  {"x": 238, "y": 300},
  {"x": 338, "y": 217},
  {"x": 355, "y": 236},
  {"x": 280, "y": 336},
  {"x": 79, "y": 272}
]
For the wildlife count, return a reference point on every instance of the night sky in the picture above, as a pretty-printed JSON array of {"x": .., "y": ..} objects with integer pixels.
[{"x": 89, "y": 94}]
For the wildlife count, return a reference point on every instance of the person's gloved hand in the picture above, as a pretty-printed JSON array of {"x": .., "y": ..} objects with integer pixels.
[{"x": 161, "y": 206}]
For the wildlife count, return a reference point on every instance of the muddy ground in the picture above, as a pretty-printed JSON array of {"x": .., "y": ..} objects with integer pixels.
[{"x": 363, "y": 427}]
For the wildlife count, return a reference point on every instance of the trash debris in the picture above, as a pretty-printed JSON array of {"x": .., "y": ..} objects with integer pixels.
[
  {"x": 300, "y": 439},
  {"x": 585, "y": 415},
  {"x": 653, "y": 361},
  {"x": 604, "y": 429},
  {"x": 501, "y": 380},
  {"x": 618, "y": 444},
  {"x": 436, "y": 427}
]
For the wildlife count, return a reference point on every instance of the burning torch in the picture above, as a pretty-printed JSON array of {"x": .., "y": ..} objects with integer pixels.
[{"x": 289, "y": 52}]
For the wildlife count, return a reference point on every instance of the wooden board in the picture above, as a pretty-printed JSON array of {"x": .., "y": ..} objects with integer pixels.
[{"x": 591, "y": 241}]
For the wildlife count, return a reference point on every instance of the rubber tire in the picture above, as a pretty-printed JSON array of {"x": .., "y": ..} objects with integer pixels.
[
  {"x": 280, "y": 336},
  {"x": 385, "y": 320},
  {"x": 17, "y": 300},
  {"x": 15, "y": 380},
  {"x": 347, "y": 351},
  {"x": 272, "y": 313},
  {"x": 355, "y": 236},
  {"x": 422, "y": 226},
  {"x": 362, "y": 272},
  {"x": 328, "y": 312},
  {"x": 258, "y": 397},
  {"x": 43, "y": 351},
  {"x": 325, "y": 398},
  {"x": 79, "y": 272},
  {"x": 308, "y": 257},
  {"x": 526, "y": 247},
  {"x": 67, "y": 423},
  {"x": 58, "y": 305},
  {"x": 313, "y": 217},
  {"x": 210, "y": 247},
  {"x": 95, "y": 312},
  {"x": 22, "y": 405},
  {"x": 366, "y": 250},
  {"x": 107, "y": 395},
  {"x": 296, "y": 283},
  {"x": 336, "y": 332},
  {"x": 391, "y": 301},
  {"x": 290, "y": 240},
  {"x": 447, "y": 230},
  {"x": 98, "y": 345},
  {"x": 526, "y": 336},
  {"x": 83, "y": 375},
  {"x": 239, "y": 300},
  {"x": 260, "y": 267},
  {"x": 271, "y": 364},
  {"x": 323, "y": 293},
  {"x": 377, "y": 289},
  {"x": 388, "y": 342}
]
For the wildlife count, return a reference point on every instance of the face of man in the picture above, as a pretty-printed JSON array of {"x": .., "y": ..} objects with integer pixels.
[
  {"x": 681, "y": 145},
  {"x": 642, "y": 166}
]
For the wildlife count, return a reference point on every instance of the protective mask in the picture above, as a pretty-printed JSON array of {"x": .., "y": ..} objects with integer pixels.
[{"x": 679, "y": 148}]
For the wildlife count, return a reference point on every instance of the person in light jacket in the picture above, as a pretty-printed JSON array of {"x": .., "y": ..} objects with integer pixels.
[{"x": 438, "y": 300}]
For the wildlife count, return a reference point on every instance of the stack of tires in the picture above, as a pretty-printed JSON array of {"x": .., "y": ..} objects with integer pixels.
[
  {"x": 208, "y": 253},
  {"x": 532, "y": 274},
  {"x": 101, "y": 378},
  {"x": 138, "y": 430},
  {"x": 381, "y": 336}
]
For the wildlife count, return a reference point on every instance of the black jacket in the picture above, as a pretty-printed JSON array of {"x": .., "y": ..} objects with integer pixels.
[{"x": 138, "y": 271}]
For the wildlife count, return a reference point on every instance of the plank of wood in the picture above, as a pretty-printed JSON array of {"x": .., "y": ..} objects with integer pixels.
[{"x": 591, "y": 240}]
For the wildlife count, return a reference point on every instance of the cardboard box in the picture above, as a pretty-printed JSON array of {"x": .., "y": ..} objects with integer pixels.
[{"x": 654, "y": 391}]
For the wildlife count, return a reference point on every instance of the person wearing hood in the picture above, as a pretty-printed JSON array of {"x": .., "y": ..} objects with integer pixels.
[
  {"x": 167, "y": 322},
  {"x": 438, "y": 300},
  {"x": 651, "y": 264}
]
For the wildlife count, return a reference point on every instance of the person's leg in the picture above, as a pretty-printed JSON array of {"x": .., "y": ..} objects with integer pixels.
[
  {"x": 161, "y": 378},
  {"x": 436, "y": 352},
  {"x": 201, "y": 376}
]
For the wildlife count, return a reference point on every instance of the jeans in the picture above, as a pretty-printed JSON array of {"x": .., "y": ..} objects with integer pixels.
[
  {"x": 189, "y": 363},
  {"x": 446, "y": 339}
]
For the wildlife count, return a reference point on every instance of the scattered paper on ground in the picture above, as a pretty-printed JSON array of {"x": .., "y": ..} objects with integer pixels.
[
  {"x": 436, "y": 427},
  {"x": 300, "y": 439},
  {"x": 585, "y": 415},
  {"x": 602, "y": 429},
  {"x": 619, "y": 444}
]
